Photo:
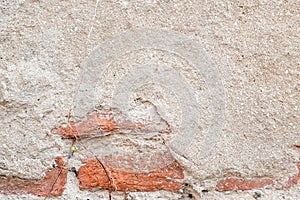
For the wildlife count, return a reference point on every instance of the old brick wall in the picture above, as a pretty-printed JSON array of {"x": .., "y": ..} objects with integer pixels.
[{"x": 149, "y": 99}]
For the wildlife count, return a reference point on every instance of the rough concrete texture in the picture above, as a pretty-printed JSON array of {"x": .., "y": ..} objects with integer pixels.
[{"x": 250, "y": 49}]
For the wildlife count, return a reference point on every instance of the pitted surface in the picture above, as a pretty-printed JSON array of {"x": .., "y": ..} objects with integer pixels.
[{"x": 254, "y": 44}]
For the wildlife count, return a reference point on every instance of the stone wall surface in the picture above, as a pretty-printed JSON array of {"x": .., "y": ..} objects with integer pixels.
[{"x": 154, "y": 99}]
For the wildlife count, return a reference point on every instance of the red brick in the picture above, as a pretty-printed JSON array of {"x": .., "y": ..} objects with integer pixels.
[
  {"x": 92, "y": 176},
  {"x": 52, "y": 184},
  {"x": 97, "y": 124},
  {"x": 294, "y": 179},
  {"x": 241, "y": 184}
]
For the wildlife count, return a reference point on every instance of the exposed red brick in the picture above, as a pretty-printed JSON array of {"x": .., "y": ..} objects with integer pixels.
[
  {"x": 97, "y": 124},
  {"x": 52, "y": 184},
  {"x": 106, "y": 122},
  {"x": 241, "y": 184},
  {"x": 92, "y": 175},
  {"x": 157, "y": 171},
  {"x": 294, "y": 179}
]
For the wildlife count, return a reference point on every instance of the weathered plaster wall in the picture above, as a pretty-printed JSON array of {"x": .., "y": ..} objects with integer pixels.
[{"x": 45, "y": 46}]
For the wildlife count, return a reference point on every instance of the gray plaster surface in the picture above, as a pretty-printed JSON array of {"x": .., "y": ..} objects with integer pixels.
[{"x": 45, "y": 48}]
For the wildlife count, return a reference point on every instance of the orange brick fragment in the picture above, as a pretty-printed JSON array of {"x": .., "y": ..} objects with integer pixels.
[
  {"x": 241, "y": 184},
  {"x": 294, "y": 179},
  {"x": 107, "y": 124},
  {"x": 96, "y": 124},
  {"x": 92, "y": 176},
  {"x": 53, "y": 184}
]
